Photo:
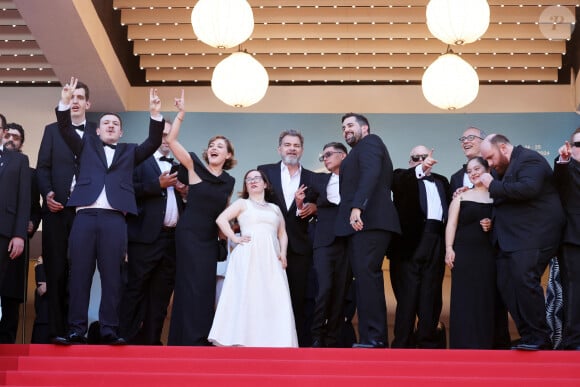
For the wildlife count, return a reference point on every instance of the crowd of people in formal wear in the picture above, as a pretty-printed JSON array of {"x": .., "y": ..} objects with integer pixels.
[{"x": 305, "y": 249}]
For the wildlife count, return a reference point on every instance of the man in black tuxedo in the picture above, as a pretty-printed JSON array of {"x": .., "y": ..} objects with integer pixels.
[
  {"x": 330, "y": 260},
  {"x": 151, "y": 250},
  {"x": 528, "y": 221},
  {"x": 14, "y": 286},
  {"x": 286, "y": 177},
  {"x": 14, "y": 202},
  {"x": 567, "y": 176},
  {"x": 417, "y": 257},
  {"x": 57, "y": 171},
  {"x": 368, "y": 218},
  {"x": 470, "y": 140},
  {"x": 104, "y": 193}
]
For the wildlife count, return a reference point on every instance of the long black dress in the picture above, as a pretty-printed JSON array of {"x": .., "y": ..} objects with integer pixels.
[
  {"x": 197, "y": 252},
  {"x": 473, "y": 286}
]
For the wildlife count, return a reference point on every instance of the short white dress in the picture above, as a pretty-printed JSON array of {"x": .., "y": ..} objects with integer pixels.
[{"x": 254, "y": 309}]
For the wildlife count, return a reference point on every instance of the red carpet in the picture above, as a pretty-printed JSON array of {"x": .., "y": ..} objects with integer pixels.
[{"x": 49, "y": 365}]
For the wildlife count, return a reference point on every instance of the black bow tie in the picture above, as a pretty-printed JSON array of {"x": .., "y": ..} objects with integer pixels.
[
  {"x": 165, "y": 158},
  {"x": 79, "y": 127},
  {"x": 112, "y": 146},
  {"x": 429, "y": 178}
]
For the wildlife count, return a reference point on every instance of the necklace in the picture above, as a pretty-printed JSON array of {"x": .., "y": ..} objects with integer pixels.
[{"x": 260, "y": 204}]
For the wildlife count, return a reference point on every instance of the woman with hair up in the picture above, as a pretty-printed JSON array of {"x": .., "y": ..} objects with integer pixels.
[
  {"x": 196, "y": 234},
  {"x": 474, "y": 315},
  {"x": 254, "y": 309}
]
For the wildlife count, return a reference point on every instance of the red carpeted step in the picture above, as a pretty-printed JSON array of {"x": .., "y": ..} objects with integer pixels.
[{"x": 45, "y": 365}]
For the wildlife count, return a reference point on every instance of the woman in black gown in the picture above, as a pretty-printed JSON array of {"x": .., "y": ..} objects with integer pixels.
[
  {"x": 470, "y": 255},
  {"x": 196, "y": 235}
]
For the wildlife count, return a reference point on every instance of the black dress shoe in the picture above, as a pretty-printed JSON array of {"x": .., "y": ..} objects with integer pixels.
[
  {"x": 113, "y": 340},
  {"x": 70, "y": 339},
  {"x": 317, "y": 343},
  {"x": 371, "y": 344},
  {"x": 523, "y": 346}
]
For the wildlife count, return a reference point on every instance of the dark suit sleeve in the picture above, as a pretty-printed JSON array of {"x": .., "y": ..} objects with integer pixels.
[
  {"x": 68, "y": 133},
  {"x": 145, "y": 184},
  {"x": 369, "y": 159},
  {"x": 35, "y": 209},
  {"x": 526, "y": 183},
  {"x": 23, "y": 211},
  {"x": 152, "y": 142},
  {"x": 44, "y": 163}
]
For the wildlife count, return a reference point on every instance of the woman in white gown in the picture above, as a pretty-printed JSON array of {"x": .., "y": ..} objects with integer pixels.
[{"x": 254, "y": 309}]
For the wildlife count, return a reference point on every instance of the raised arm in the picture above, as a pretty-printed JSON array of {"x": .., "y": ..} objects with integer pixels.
[
  {"x": 74, "y": 142},
  {"x": 156, "y": 125},
  {"x": 180, "y": 153}
]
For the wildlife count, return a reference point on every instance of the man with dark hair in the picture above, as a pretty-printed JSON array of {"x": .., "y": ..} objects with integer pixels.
[
  {"x": 57, "y": 172},
  {"x": 104, "y": 193},
  {"x": 14, "y": 200},
  {"x": 367, "y": 218},
  {"x": 286, "y": 177},
  {"x": 14, "y": 285},
  {"x": 330, "y": 261},
  {"x": 567, "y": 175},
  {"x": 528, "y": 220}
]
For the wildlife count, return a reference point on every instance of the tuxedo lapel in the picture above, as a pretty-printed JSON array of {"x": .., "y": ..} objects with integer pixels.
[
  {"x": 5, "y": 160},
  {"x": 277, "y": 185}
]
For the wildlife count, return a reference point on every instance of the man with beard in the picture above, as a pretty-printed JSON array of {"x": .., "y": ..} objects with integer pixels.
[
  {"x": 527, "y": 225},
  {"x": 286, "y": 177},
  {"x": 367, "y": 217},
  {"x": 14, "y": 201},
  {"x": 13, "y": 288}
]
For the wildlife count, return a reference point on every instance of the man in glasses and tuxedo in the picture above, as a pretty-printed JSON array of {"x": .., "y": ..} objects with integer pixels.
[
  {"x": 417, "y": 257},
  {"x": 469, "y": 140}
]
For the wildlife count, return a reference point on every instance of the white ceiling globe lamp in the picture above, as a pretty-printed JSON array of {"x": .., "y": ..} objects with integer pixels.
[
  {"x": 458, "y": 21},
  {"x": 450, "y": 82},
  {"x": 239, "y": 80},
  {"x": 222, "y": 23}
]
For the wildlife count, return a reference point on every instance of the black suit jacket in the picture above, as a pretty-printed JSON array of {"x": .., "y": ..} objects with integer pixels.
[
  {"x": 57, "y": 163},
  {"x": 409, "y": 196},
  {"x": 366, "y": 176},
  {"x": 297, "y": 228},
  {"x": 567, "y": 177},
  {"x": 14, "y": 194},
  {"x": 95, "y": 174},
  {"x": 151, "y": 203},
  {"x": 327, "y": 212},
  {"x": 527, "y": 210},
  {"x": 457, "y": 180}
]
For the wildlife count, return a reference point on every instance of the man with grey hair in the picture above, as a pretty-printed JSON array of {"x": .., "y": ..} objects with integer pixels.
[
  {"x": 286, "y": 177},
  {"x": 470, "y": 141},
  {"x": 528, "y": 220}
]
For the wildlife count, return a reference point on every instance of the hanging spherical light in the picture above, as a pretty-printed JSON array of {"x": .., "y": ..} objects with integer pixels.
[
  {"x": 450, "y": 82},
  {"x": 239, "y": 80},
  {"x": 222, "y": 23},
  {"x": 458, "y": 21}
]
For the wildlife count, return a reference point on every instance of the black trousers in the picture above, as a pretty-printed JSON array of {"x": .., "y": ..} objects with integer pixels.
[
  {"x": 297, "y": 271},
  {"x": 98, "y": 237},
  {"x": 332, "y": 272},
  {"x": 366, "y": 251},
  {"x": 519, "y": 280},
  {"x": 150, "y": 282},
  {"x": 55, "y": 241},
  {"x": 418, "y": 281}
]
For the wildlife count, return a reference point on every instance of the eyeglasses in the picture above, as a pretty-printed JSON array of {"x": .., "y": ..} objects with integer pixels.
[
  {"x": 471, "y": 137},
  {"x": 15, "y": 137},
  {"x": 255, "y": 179},
  {"x": 576, "y": 144},
  {"x": 327, "y": 155},
  {"x": 416, "y": 158}
]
